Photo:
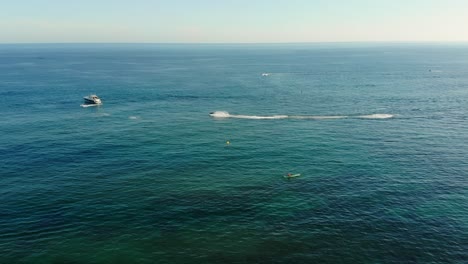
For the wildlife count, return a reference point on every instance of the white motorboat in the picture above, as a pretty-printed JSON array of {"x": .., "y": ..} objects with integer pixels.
[{"x": 92, "y": 99}]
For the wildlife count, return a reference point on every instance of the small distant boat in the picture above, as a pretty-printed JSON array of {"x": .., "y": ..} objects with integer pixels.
[
  {"x": 289, "y": 175},
  {"x": 265, "y": 74},
  {"x": 92, "y": 99}
]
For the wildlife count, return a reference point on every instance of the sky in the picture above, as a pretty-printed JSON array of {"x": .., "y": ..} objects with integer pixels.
[{"x": 232, "y": 21}]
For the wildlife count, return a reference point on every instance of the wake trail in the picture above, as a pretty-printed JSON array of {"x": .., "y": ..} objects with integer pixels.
[
  {"x": 88, "y": 105},
  {"x": 224, "y": 114}
]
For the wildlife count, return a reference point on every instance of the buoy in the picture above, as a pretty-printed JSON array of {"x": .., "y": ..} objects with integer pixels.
[{"x": 227, "y": 142}]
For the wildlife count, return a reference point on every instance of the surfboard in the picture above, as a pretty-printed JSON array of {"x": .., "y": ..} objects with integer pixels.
[{"x": 292, "y": 176}]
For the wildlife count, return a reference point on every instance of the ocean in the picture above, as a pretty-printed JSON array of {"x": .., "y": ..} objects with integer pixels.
[{"x": 378, "y": 132}]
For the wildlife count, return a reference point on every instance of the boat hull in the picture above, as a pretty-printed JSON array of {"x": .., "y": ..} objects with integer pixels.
[{"x": 91, "y": 101}]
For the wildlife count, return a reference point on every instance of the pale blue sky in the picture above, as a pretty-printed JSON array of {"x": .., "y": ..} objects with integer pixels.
[{"x": 232, "y": 21}]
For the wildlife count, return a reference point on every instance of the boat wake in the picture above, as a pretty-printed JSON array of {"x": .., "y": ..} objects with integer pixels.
[
  {"x": 223, "y": 114},
  {"x": 88, "y": 105},
  {"x": 376, "y": 116}
]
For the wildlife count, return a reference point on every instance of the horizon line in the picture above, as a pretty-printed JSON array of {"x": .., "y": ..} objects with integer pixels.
[{"x": 250, "y": 43}]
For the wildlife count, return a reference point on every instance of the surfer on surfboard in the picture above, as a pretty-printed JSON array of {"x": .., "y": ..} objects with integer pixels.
[{"x": 290, "y": 175}]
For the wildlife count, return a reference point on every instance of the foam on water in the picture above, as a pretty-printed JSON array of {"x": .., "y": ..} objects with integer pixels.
[
  {"x": 377, "y": 116},
  {"x": 220, "y": 114},
  {"x": 260, "y": 117},
  {"x": 88, "y": 105},
  {"x": 317, "y": 117},
  {"x": 224, "y": 114}
]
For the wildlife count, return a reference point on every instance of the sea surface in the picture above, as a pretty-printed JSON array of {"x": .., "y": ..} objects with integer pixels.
[{"x": 378, "y": 132}]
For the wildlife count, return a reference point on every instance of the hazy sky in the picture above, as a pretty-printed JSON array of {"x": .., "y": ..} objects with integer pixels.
[{"x": 232, "y": 21}]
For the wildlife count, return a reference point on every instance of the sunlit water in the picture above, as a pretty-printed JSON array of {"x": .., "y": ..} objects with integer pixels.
[{"x": 379, "y": 134}]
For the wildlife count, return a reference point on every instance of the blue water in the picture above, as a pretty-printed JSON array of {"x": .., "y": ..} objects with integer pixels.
[{"x": 148, "y": 177}]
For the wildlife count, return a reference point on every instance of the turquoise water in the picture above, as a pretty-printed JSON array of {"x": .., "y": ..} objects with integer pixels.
[{"x": 148, "y": 177}]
